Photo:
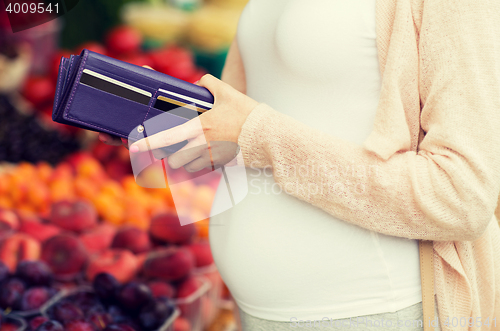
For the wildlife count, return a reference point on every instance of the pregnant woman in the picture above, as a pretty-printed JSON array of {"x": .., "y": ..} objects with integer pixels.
[{"x": 365, "y": 125}]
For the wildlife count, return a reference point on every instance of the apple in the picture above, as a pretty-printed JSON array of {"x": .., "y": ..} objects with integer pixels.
[{"x": 123, "y": 40}]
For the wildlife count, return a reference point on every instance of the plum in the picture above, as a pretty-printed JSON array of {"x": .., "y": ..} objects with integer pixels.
[
  {"x": 154, "y": 315},
  {"x": 99, "y": 318},
  {"x": 4, "y": 271},
  {"x": 9, "y": 327},
  {"x": 34, "y": 298},
  {"x": 79, "y": 325},
  {"x": 50, "y": 326},
  {"x": 134, "y": 295},
  {"x": 117, "y": 314},
  {"x": 119, "y": 327},
  {"x": 105, "y": 286},
  {"x": 66, "y": 311},
  {"x": 11, "y": 294},
  {"x": 86, "y": 301},
  {"x": 34, "y": 273},
  {"x": 36, "y": 322}
]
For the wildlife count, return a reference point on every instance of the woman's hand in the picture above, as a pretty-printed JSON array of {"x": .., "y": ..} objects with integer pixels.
[{"x": 221, "y": 124}]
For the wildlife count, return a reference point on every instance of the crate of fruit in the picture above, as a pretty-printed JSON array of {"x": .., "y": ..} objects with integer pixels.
[
  {"x": 105, "y": 307},
  {"x": 26, "y": 290},
  {"x": 193, "y": 307},
  {"x": 211, "y": 301}
]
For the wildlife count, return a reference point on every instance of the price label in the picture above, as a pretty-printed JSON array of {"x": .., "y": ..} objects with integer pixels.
[{"x": 25, "y": 14}]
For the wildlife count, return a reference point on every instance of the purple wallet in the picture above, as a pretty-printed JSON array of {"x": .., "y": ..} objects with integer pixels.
[{"x": 99, "y": 93}]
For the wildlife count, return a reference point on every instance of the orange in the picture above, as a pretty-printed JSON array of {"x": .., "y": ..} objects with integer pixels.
[
  {"x": 85, "y": 188},
  {"x": 112, "y": 188},
  {"x": 44, "y": 171},
  {"x": 114, "y": 214},
  {"x": 38, "y": 194},
  {"x": 26, "y": 170},
  {"x": 4, "y": 184},
  {"x": 6, "y": 202},
  {"x": 62, "y": 189}
]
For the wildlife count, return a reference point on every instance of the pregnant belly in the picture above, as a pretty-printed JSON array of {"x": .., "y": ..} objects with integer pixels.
[{"x": 277, "y": 252}]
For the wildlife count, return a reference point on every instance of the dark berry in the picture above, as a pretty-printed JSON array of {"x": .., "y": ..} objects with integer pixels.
[
  {"x": 50, "y": 326},
  {"x": 105, "y": 285},
  {"x": 11, "y": 294},
  {"x": 66, "y": 311},
  {"x": 154, "y": 315},
  {"x": 119, "y": 327},
  {"x": 34, "y": 298},
  {"x": 34, "y": 273},
  {"x": 133, "y": 296},
  {"x": 37, "y": 321}
]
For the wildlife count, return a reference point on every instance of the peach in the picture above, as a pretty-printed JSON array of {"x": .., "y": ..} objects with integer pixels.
[
  {"x": 8, "y": 220},
  {"x": 171, "y": 264},
  {"x": 185, "y": 289},
  {"x": 65, "y": 254},
  {"x": 39, "y": 231},
  {"x": 202, "y": 253},
  {"x": 181, "y": 324},
  {"x": 133, "y": 239},
  {"x": 189, "y": 286},
  {"x": 120, "y": 263},
  {"x": 167, "y": 227},
  {"x": 75, "y": 216},
  {"x": 161, "y": 289},
  {"x": 99, "y": 238},
  {"x": 19, "y": 247},
  {"x": 27, "y": 216}
]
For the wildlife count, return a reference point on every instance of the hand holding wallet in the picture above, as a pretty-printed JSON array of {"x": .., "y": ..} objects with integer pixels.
[{"x": 99, "y": 93}]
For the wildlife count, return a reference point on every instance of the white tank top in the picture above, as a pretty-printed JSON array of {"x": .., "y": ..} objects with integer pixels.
[{"x": 282, "y": 258}]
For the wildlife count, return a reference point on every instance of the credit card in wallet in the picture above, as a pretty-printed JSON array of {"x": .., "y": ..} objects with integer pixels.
[
  {"x": 113, "y": 86},
  {"x": 103, "y": 94}
]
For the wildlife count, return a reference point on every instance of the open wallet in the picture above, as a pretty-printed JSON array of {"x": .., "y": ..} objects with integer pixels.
[{"x": 100, "y": 93}]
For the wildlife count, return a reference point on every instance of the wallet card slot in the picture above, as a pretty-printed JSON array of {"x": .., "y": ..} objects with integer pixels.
[
  {"x": 106, "y": 112},
  {"x": 114, "y": 76}
]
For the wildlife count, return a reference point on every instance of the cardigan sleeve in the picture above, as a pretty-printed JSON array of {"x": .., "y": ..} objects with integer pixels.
[{"x": 448, "y": 190}]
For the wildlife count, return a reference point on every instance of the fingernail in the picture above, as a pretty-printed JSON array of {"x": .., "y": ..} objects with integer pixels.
[{"x": 134, "y": 149}]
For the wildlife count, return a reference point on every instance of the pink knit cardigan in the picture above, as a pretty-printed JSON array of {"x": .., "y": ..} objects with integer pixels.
[{"x": 440, "y": 66}]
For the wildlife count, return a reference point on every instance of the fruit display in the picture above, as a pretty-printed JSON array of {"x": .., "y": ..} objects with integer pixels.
[
  {"x": 83, "y": 178},
  {"x": 111, "y": 306},
  {"x": 62, "y": 218},
  {"x": 27, "y": 289}
]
